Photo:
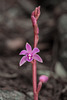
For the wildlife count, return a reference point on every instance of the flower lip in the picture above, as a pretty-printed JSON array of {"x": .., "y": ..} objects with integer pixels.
[{"x": 29, "y": 57}]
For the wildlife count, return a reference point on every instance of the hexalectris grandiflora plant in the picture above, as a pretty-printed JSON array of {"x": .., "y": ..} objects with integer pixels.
[{"x": 31, "y": 56}]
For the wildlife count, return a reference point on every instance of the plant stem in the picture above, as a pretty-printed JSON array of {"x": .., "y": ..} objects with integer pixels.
[
  {"x": 34, "y": 80},
  {"x": 35, "y": 96},
  {"x": 39, "y": 86},
  {"x": 34, "y": 17},
  {"x": 35, "y": 74}
]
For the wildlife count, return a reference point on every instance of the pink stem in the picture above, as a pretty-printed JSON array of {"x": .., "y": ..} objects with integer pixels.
[
  {"x": 34, "y": 17},
  {"x": 35, "y": 81},
  {"x": 35, "y": 74},
  {"x": 39, "y": 86}
]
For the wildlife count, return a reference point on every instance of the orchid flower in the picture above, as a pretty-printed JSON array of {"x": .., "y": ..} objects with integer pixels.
[{"x": 29, "y": 54}]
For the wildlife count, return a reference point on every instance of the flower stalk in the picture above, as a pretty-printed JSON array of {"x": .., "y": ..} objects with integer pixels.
[{"x": 34, "y": 18}]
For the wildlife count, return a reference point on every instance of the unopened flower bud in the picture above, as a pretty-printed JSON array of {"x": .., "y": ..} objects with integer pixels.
[
  {"x": 43, "y": 78},
  {"x": 33, "y": 20}
]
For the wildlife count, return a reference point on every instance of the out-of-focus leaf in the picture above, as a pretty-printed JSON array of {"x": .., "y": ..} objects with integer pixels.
[
  {"x": 46, "y": 72},
  {"x": 60, "y": 71}
]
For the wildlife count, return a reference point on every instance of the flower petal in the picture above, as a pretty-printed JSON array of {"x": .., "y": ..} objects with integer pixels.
[
  {"x": 23, "y": 52},
  {"x": 22, "y": 61},
  {"x": 28, "y": 47},
  {"x": 38, "y": 58},
  {"x": 35, "y": 50}
]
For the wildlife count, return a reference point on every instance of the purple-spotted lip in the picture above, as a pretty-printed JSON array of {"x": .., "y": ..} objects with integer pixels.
[{"x": 29, "y": 57}]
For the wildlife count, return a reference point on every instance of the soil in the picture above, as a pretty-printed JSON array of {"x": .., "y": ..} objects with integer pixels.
[{"x": 12, "y": 77}]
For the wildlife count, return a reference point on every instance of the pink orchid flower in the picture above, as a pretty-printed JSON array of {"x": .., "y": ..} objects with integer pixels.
[{"x": 29, "y": 54}]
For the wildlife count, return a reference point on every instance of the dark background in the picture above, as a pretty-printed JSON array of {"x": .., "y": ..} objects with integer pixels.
[{"x": 16, "y": 29}]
